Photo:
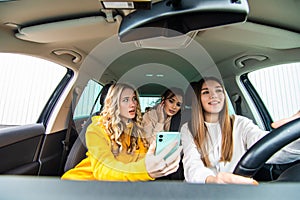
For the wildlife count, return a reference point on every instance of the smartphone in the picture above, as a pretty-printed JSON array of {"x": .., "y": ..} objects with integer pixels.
[{"x": 164, "y": 139}]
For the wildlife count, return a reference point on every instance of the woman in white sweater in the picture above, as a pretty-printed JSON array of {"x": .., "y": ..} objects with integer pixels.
[{"x": 213, "y": 141}]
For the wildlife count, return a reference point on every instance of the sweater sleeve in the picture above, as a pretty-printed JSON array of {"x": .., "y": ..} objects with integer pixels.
[
  {"x": 194, "y": 169},
  {"x": 105, "y": 166},
  {"x": 150, "y": 123},
  {"x": 252, "y": 133}
]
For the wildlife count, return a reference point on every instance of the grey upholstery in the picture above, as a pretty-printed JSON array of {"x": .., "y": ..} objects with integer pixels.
[{"x": 78, "y": 150}]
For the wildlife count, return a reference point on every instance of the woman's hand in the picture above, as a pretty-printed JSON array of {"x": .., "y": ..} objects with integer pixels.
[
  {"x": 281, "y": 122},
  {"x": 160, "y": 112},
  {"x": 229, "y": 178},
  {"x": 157, "y": 166}
]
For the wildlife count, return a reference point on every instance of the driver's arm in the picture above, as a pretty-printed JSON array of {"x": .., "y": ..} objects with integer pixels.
[{"x": 281, "y": 122}]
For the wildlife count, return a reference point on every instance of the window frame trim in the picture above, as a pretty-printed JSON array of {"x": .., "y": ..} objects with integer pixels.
[
  {"x": 260, "y": 106},
  {"x": 49, "y": 106}
]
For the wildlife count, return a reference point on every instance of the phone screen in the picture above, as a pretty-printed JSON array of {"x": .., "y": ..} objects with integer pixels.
[{"x": 164, "y": 139}]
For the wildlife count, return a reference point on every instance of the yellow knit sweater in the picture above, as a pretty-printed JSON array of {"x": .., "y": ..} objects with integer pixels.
[{"x": 101, "y": 164}]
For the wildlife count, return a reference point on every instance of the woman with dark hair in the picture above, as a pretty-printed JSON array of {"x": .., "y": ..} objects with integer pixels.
[
  {"x": 165, "y": 116},
  {"x": 160, "y": 116},
  {"x": 213, "y": 141},
  {"x": 117, "y": 147}
]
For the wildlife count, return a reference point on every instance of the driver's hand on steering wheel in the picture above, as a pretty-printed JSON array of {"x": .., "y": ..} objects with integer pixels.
[
  {"x": 285, "y": 120},
  {"x": 229, "y": 178}
]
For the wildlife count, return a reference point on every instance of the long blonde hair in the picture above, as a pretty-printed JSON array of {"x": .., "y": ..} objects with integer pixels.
[
  {"x": 112, "y": 121},
  {"x": 199, "y": 129}
]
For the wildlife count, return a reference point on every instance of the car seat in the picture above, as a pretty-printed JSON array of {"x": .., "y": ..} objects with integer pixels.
[{"x": 78, "y": 150}]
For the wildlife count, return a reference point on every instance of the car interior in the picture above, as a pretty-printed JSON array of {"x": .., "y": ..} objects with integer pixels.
[{"x": 153, "y": 45}]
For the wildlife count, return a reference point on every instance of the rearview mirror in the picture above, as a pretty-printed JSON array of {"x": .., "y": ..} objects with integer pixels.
[{"x": 177, "y": 17}]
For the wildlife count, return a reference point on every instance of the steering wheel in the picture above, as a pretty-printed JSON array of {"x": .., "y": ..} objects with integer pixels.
[{"x": 262, "y": 150}]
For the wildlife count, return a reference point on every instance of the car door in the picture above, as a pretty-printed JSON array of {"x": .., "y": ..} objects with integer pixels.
[
  {"x": 30, "y": 88},
  {"x": 274, "y": 91}
]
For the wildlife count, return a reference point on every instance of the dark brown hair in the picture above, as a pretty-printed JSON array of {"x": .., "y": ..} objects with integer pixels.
[{"x": 171, "y": 92}]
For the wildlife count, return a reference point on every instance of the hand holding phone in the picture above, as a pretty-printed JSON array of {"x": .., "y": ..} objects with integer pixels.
[
  {"x": 164, "y": 139},
  {"x": 160, "y": 112},
  {"x": 163, "y": 155}
]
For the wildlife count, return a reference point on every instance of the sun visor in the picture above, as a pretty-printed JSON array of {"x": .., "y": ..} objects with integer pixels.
[{"x": 68, "y": 30}]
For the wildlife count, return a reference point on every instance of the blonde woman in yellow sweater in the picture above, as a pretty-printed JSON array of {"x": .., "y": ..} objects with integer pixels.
[{"x": 117, "y": 148}]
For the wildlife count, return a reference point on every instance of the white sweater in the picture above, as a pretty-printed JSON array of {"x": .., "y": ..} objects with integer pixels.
[{"x": 245, "y": 134}]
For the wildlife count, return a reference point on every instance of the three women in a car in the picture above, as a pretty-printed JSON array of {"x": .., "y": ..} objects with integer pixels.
[
  {"x": 117, "y": 147},
  {"x": 213, "y": 141}
]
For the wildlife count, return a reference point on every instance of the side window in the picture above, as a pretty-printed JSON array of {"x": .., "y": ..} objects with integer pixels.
[
  {"x": 26, "y": 84},
  {"x": 87, "y": 101},
  {"x": 87, "y": 104},
  {"x": 279, "y": 89},
  {"x": 148, "y": 102}
]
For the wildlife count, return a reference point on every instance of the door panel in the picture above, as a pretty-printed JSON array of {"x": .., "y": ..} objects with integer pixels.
[
  {"x": 38, "y": 85},
  {"x": 51, "y": 154},
  {"x": 19, "y": 149}
]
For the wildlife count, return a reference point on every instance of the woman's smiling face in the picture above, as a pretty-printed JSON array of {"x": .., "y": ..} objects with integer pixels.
[{"x": 212, "y": 97}]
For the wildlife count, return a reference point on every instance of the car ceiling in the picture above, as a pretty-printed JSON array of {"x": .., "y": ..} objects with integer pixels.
[
  {"x": 272, "y": 30},
  {"x": 262, "y": 11}
]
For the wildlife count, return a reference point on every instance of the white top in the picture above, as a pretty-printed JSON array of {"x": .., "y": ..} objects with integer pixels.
[{"x": 245, "y": 134}]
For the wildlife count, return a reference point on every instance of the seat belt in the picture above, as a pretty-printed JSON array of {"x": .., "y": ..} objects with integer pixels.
[
  {"x": 66, "y": 141},
  {"x": 238, "y": 101}
]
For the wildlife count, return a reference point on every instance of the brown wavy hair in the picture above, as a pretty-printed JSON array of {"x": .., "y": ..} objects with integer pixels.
[
  {"x": 112, "y": 121},
  {"x": 199, "y": 129}
]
